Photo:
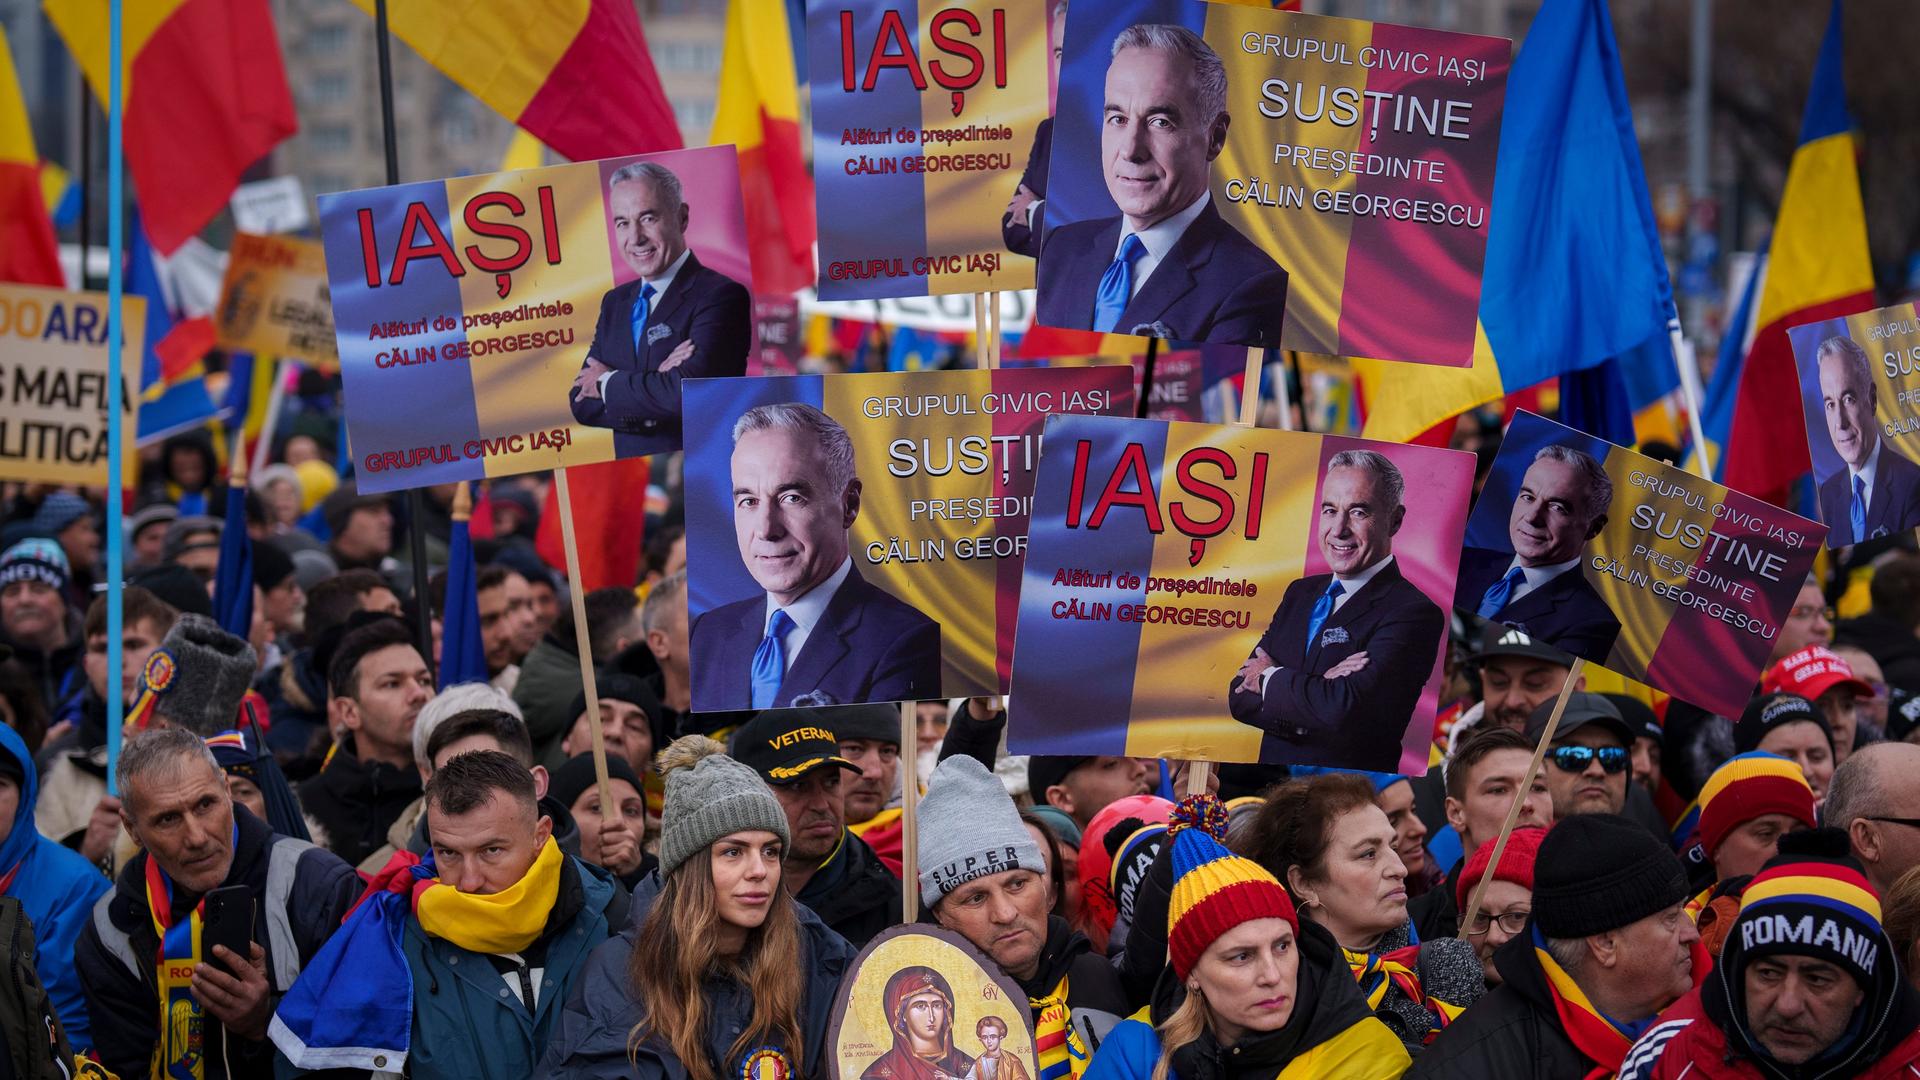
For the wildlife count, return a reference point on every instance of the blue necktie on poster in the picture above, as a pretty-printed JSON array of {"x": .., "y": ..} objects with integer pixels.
[
  {"x": 1116, "y": 285},
  {"x": 1857, "y": 516},
  {"x": 1322, "y": 608},
  {"x": 642, "y": 305},
  {"x": 770, "y": 660},
  {"x": 1499, "y": 593}
]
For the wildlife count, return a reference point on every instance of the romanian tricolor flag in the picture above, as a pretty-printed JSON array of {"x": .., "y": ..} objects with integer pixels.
[
  {"x": 759, "y": 112},
  {"x": 205, "y": 96},
  {"x": 1574, "y": 273},
  {"x": 1819, "y": 269},
  {"x": 29, "y": 253},
  {"x": 575, "y": 73}
]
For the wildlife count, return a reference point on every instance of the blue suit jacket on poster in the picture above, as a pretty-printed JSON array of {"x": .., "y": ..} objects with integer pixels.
[
  {"x": 1020, "y": 238},
  {"x": 867, "y": 646},
  {"x": 1893, "y": 506},
  {"x": 642, "y": 403},
  {"x": 1566, "y": 613},
  {"x": 1214, "y": 285},
  {"x": 1356, "y": 721}
]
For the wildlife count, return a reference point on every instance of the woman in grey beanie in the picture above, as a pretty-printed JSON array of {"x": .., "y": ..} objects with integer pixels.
[{"x": 719, "y": 946}]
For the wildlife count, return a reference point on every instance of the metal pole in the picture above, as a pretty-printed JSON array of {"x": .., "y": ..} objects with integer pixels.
[
  {"x": 1697, "y": 98},
  {"x": 416, "y": 504},
  {"x": 86, "y": 179},
  {"x": 116, "y": 422}
]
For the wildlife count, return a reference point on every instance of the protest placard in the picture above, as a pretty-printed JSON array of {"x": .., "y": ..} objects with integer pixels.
[
  {"x": 1180, "y": 594},
  {"x": 880, "y": 518},
  {"x": 53, "y": 383},
  {"x": 491, "y": 325},
  {"x": 1636, "y": 565},
  {"x": 1314, "y": 183},
  {"x": 929, "y": 144},
  {"x": 1860, "y": 386},
  {"x": 273, "y": 301}
]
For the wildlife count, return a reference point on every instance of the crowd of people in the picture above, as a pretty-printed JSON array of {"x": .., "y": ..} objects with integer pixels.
[{"x": 312, "y": 858}]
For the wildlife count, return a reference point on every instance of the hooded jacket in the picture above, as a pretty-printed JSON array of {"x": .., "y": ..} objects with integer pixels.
[
  {"x": 1331, "y": 1035},
  {"x": 1705, "y": 1035},
  {"x": 589, "y": 1042},
  {"x": 57, "y": 890},
  {"x": 853, "y": 893}
]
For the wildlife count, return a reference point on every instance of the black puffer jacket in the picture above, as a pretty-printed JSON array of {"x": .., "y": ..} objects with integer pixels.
[
  {"x": 854, "y": 893},
  {"x": 357, "y": 801},
  {"x": 589, "y": 1041},
  {"x": 1512, "y": 1031}
]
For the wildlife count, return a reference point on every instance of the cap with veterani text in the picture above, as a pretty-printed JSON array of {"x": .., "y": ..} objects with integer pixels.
[
  {"x": 783, "y": 745},
  {"x": 1583, "y": 710},
  {"x": 1813, "y": 671}
]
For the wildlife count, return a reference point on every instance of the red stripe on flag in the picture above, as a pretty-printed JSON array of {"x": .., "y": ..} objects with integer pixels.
[
  {"x": 1767, "y": 448},
  {"x": 29, "y": 253},
  {"x": 603, "y": 99},
  {"x": 1041, "y": 342},
  {"x": 209, "y": 98},
  {"x": 608, "y": 522},
  {"x": 779, "y": 202},
  {"x": 185, "y": 345}
]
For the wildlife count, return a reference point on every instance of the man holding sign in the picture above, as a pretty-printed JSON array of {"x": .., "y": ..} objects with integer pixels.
[
  {"x": 1539, "y": 589},
  {"x": 679, "y": 320},
  {"x": 1876, "y": 493},
  {"x": 1168, "y": 265},
  {"x": 1331, "y": 670}
]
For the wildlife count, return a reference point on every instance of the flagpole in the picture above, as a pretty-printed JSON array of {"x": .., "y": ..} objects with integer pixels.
[
  {"x": 1688, "y": 362},
  {"x": 116, "y": 421},
  {"x": 416, "y": 505},
  {"x": 578, "y": 594},
  {"x": 276, "y": 401},
  {"x": 1146, "y": 379},
  {"x": 86, "y": 180}
]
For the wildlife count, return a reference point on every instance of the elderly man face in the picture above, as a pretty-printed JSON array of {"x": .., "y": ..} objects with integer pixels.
[
  {"x": 1154, "y": 141},
  {"x": 1846, "y": 397},
  {"x": 1551, "y": 520},
  {"x": 1799, "y": 1006},
  {"x": 1356, "y": 526},
  {"x": 649, "y": 229},
  {"x": 791, "y": 528}
]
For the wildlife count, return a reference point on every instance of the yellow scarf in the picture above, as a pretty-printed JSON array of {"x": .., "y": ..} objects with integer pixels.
[{"x": 502, "y": 922}]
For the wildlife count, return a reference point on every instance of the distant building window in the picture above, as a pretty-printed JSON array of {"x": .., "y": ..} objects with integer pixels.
[
  {"x": 689, "y": 56},
  {"x": 329, "y": 38},
  {"x": 324, "y": 182},
  {"x": 695, "y": 116},
  {"x": 330, "y": 139},
  {"x": 458, "y": 129},
  {"x": 329, "y": 89}
]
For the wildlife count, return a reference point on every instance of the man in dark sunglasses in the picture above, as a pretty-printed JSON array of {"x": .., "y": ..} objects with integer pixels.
[{"x": 1589, "y": 758}]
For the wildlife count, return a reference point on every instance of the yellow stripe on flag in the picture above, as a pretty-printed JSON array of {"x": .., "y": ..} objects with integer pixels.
[
  {"x": 1404, "y": 400},
  {"x": 523, "y": 152},
  {"x": 16, "y": 132},
  {"x": 1820, "y": 240},
  {"x": 84, "y": 25},
  {"x": 756, "y": 74},
  {"x": 501, "y": 53},
  {"x": 53, "y": 183}
]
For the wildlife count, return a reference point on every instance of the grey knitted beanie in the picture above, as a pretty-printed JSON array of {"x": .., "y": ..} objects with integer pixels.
[
  {"x": 211, "y": 671},
  {"x": 710, "y": 795},
  {"x": 969, "y": 828}
]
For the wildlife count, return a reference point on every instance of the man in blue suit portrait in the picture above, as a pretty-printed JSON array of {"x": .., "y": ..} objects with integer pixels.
[
  {"x": 1877, "y": 493},
  {"x": 679, "y": 320},
  {"x": 819, "y": 634},
  {"x": 1337, "y": 674},
  {"x": 1168, "y": 265},
  {"x": 1540, "y": 587}
]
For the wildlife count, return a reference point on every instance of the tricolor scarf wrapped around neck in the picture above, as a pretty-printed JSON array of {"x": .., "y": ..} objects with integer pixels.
[
  {"x": 352, "y": 1007},
  {"x": 1397, "y": 968},
  {"x": 180, "y": 1053},
  {"x": 1056, "y": 1046},
  {"x": 1592, "y": 1033}
]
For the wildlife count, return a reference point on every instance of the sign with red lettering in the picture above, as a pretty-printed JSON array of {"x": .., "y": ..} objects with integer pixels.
[
  {"x": 1296, "y": 583},
  {"x": 491, "y": 325},
  {"x": 273, "y": 301},
  {"x": 929, "y": 143}
]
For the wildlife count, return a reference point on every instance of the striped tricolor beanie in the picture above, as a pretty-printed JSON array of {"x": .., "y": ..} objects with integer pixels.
[
  {"x": 1812, "y": 900},
  {"x": 1748, "y": 786},
  {"x": 1214, "y": 890}
]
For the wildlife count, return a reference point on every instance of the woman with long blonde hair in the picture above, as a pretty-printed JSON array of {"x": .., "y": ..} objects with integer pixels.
[
  {"x": 722, "y": 975},
  {"x": 1262, "y": 995}
]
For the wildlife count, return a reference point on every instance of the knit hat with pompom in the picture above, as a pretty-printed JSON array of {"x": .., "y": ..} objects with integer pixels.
[{"x": 710, "y": 796}]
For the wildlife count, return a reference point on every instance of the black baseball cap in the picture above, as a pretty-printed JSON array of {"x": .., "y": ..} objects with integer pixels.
[
  {"x": 782, "y": 745},
  {"x": 1639, "y": 716},
  {"x": 1583, "y": 710},
  {"x": 1903, "y": 713},
  {"x": 1499, "y": 639}
]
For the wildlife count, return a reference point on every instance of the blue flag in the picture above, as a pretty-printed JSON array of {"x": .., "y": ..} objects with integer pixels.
[
  {"x": 1574, "y": 271},
  {"x": 164, "y": 408},
  {"x": 1724, "y": 389},
  {"x": 233, "y": 575},
  {"x": 463, "y": 656}
]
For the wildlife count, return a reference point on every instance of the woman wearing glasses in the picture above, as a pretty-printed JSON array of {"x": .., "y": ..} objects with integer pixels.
[
  {"x": 1326, "y": 840},
  {"x": 1509, "y": 897}
]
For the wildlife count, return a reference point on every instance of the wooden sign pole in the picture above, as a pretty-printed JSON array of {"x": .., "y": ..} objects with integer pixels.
[
  {"x": 1520, "y": 796},
  {"x": 577, "y": 590},
  {"x": 909, "y": 810}
]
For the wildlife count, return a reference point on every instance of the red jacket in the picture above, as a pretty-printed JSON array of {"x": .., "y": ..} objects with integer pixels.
[{"x": 1687, "y": 1043}]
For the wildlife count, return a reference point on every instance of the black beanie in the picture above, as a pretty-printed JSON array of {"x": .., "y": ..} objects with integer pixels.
[
  {"x": 1600, "y": 872},
  {"x": 577, "y": 775},
  {"x": 1770, "y": 711}
]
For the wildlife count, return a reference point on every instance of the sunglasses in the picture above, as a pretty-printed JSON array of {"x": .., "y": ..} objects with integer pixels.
[
  {"x": 1575, "y": 759},
  {"x": 1513, "y": 922}
]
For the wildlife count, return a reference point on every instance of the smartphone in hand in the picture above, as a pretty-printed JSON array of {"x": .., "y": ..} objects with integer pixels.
[{"x": 227, "y": 919}]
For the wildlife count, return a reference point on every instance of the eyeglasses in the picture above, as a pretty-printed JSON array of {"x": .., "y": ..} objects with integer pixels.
[
  {"x": 1809, "y": 611},
  {"x": 1908, "y": 821},
  {"x": 1513, "y": 922},
  {"x": 1575, "y": 759}
]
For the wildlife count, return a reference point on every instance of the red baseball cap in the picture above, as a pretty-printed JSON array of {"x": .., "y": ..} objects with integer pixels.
[{"x": 1813, "y": 671}]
